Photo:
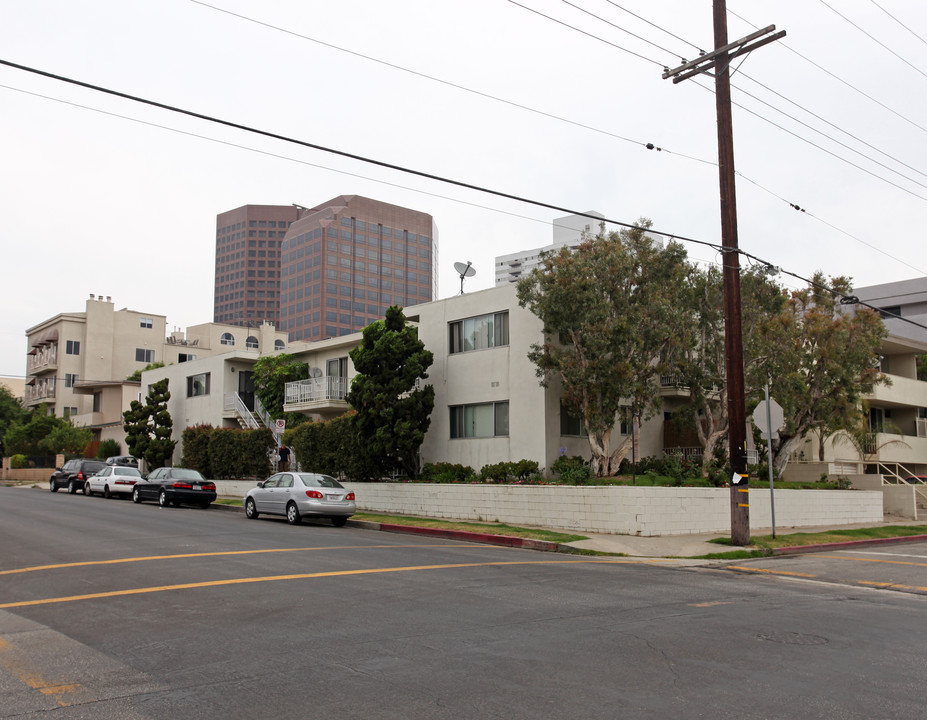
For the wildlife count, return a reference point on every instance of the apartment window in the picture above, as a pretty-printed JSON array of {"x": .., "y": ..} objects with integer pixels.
[
  {"x": 251, "y": 343},
  {"x": 890, "y": 312},
  {"x": 144, "y": 355},
  {"x": 227, "y": 339},
  {"x": 70, "y": 379},
  {"x": 185, "y": 357},
  {"x": 571, "y": 422},
  {"x": 72, "y": 347},
  {"x": 279, "y": 345},
  {"x": 480, "y": 420},
  {"x": 146, "y": 323},
  {"x": 68, "y": 412},
  {"x": 479, "y": 333},
  {"x": 198, "y": 385}
]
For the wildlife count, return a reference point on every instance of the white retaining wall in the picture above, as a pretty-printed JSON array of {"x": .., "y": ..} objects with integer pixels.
[{"x": 647, "y": 511}]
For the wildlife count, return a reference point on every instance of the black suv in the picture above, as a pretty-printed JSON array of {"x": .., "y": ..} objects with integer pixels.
[{"x": 73, "y": 474}]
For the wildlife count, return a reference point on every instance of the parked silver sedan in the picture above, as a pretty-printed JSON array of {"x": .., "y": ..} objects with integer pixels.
[
  {"x": 112, "y": 480},
  {"x": 297, "y": 495}
]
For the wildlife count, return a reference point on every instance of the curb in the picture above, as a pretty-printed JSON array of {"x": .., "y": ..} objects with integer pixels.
[
  {"x": 462, "y": 535},
  {"x": 799, "y": 549}
]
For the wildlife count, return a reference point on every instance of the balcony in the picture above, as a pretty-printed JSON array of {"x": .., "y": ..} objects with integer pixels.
[
  {"x": 321, "y": 396},
  {"x": 39, "y": 390},
  {"x": 91, "y": 419},
  {"x": 887, "y": 447},
  {"x": 43, "y": 359},
  {"x": 902, "y": 392}
]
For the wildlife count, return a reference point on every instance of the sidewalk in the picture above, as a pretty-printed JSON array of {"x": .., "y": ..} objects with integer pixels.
[{"x": 667, "y": 546}]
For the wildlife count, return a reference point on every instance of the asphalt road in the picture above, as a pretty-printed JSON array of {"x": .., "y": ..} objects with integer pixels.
[{"x": 114, "y": 610}]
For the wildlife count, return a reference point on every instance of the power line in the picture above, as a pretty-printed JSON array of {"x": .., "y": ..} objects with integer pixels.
[
  {"x": 618, "y": 27},
  {"x": 899, "y": 22},
  {"x": 448, "y": 83},
  {"x": 458, "y": 86},
  {"x": 587, "y": 34},
  {"x": 836, "y": 77},
  {"x": 820, "y": 147},
  {"x": 418, "y": 173},
  {"x": 658, "y": 27},
  {"x": 874, "y": 38},
  {"x": 340, "y": 153}
]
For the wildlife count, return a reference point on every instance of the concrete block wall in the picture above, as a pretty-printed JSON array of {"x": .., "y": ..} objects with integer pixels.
[{"x": 646, "y": 511}]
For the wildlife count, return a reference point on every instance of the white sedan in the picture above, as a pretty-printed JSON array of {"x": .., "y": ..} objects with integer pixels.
[
  {"x": 112, "y": 480},
  {"x": 297, "y": 495}
]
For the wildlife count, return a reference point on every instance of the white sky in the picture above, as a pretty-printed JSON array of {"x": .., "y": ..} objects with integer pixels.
[{"x": 93, "y": 203}]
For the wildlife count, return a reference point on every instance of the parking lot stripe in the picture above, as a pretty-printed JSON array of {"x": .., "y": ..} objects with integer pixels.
[{"x": 306, "y": 576}]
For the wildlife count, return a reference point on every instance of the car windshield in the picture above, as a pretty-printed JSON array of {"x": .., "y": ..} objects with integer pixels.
[
  {"x": 310, "y": 480},
  {"x": 126, "y": 471},
  {"x": 184, "y": 474}
]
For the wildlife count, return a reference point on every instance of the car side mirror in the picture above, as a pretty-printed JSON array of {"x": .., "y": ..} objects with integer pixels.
[{"x": 260, "y": 483}]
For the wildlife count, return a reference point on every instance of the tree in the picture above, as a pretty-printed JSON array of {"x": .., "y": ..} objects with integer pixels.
[
  {"x": 699, "y": 353},
  {"x": 66, "y": 438},
  {"x": 393, "y": 414},
  {"x": 610, "y": 311},
  {"x": 148, "y": 427},
  {"x": 271, "y": 374},
  {"x": 26, "y": 437},
  {"x": 137, "y": 375},
  {"x": 11, "y": 413},
  {"x": 824, "y": 362}
]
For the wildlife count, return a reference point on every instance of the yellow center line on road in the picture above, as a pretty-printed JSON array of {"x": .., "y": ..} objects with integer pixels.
[
  {"x": 147, "y": 558},
  {"x": 872, "y": 560},
  {"x": 305, "y": 576},
  {"x": 11, "y": 661},
  {"x": 770, "y": 572}
]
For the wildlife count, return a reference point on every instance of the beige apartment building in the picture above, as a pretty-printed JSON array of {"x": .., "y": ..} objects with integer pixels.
[{"x": 78, "y": 363}]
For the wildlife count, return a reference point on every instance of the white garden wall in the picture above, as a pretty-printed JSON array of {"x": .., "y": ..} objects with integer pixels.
[{"x": 647, "y": 511}]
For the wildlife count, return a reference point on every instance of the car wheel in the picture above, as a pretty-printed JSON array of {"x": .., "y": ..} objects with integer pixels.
[
  {"x": 51, "y": 486},
  {"x": 87, "y": 490},
  {"x": 136, "y": 495},
  {"x": 162, "y": 499},
  {"x": 250, "y": 509},
  {"x": 106, "y": 493},
  {"x": 339, "y": 521},
  {"x": 292, "y": 514},
  {"x": 72, "y": 487}
]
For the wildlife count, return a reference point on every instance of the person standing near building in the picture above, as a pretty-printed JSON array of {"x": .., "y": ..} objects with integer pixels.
[{"x": 284, "y": 455}]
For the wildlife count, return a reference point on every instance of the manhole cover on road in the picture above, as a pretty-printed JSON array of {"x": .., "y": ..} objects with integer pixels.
[{"x": 790, "y": 638}]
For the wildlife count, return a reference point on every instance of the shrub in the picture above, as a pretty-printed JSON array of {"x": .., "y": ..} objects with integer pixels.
[
  {"x": 196, "y": 449},
  {"x": 237, "y": 453},
  {"x": 17, "y": 461},
  {"x": 499, "y": 472},
  {"x": 444, "y": 472},
  {"x": 572, "y": 470},
  {"x": 108, "y": 448}
]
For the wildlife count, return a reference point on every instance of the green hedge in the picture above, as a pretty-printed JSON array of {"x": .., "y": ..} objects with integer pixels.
[{"x": 228, "y": 453}]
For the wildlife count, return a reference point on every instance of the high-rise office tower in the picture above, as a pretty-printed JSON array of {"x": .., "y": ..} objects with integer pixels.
[
  {"x": 247, "y": 280},
  {"x": 342, "y": 263}
]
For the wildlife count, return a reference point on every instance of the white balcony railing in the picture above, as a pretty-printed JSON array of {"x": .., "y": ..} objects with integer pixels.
[{"x": 314, "y": 390}]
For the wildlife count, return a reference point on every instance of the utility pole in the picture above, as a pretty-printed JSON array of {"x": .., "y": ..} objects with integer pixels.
[{"x": 719, "y": 60}]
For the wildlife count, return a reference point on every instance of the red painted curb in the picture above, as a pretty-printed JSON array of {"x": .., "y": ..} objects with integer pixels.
[
  {"x": 489, "y": 539},
  {"x": 798, "y": 549}
]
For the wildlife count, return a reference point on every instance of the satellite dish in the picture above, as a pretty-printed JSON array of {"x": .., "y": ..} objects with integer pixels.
[
  {"x": 315, "y": 372},
  {"x": 466, "y": 270}
]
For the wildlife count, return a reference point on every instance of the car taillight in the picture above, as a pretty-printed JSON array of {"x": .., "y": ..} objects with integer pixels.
[
  {"x": 209, "y": 486},
  {"x": 80, "y": 474},
  {"x": 349, "y": 496},
  {"x": 314, "y": 494},
  {"x": 182, "y": 486},
  {"x": 126, "y": 482}
]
